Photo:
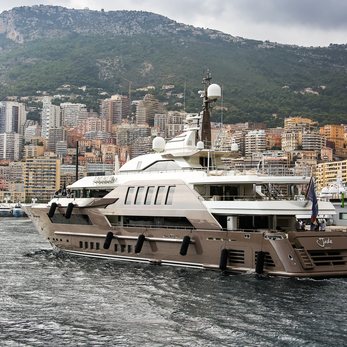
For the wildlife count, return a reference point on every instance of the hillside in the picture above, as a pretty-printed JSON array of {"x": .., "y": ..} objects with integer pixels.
[{"x": 44, "y": 47}]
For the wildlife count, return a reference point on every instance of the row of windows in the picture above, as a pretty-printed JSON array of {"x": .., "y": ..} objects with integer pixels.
[
  {"x": 90, "y": 245},
  {"x": 123, "y": 248},
  {"x": 55, "y": 239},
  {"x": 96, "y": 246},
  {"x": 149, "y": 195}
]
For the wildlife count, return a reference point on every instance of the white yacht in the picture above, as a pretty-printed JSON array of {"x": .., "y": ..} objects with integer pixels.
[{"x": 180, "y": 206}]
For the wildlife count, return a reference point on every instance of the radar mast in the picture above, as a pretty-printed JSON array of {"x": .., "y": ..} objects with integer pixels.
[{"x": 211, "y": 93}]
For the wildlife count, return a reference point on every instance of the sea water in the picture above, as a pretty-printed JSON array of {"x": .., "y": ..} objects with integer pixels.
[{"x": 51, "y": 299}]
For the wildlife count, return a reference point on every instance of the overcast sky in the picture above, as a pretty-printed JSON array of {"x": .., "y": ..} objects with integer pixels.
[{"x": 301, "y": 22}]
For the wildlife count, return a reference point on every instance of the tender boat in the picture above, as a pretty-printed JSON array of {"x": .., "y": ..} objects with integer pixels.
[
  {"x": 181, "y": 206},
  {"x": 5, "y": 210},
  {"x": 18, "y": 211}
]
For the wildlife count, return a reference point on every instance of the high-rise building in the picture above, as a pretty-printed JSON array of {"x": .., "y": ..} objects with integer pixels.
[
  {"x": 142, "y": 145},
  {"x": 32, "y": 151},
  {"x": 274, "y": 138},
  {"x": 11, "y": 182},
  {"x": 11, "y": 146},
  {"x": 72, "y": 113},
  {"x": 128, "y": 133},
  {"x": 301, "y": 133},
  {"x": 238, "y": 137},
  {"x": 170, "y": 124},
  {"x": 93, "y": 124},
  {"x": 32, "y": 130},
  {"x": 61, "y": 148},
  {"x": 115, "y": 109},
  {"x": 175, "y": 123},
  {"x": 160, "y": 121},
  {"x": 41, "y": 177},
  {"x": 334, "y": 133},
  {"x": 147, "y": 108},
  {"x": 327, "y": 173},
  {"x": 12, "y": 117},
  {"x": 255, "y": 141},
  {"x": 313, "y": 141},
  {"x": 291, "y": 140},
  {"x": 55, "y": 135},
  {"x": 50, "y": 117}
]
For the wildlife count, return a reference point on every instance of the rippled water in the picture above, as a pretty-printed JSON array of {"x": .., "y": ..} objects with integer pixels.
[{"x": 50, "y": 299}]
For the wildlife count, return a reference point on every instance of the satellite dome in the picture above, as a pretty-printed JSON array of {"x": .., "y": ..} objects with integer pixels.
[
  {"x": 214, "y": 91},
  {"x": 200, "y": 145},
  {"x": 234, "y": 147},
  {"x": 158, "y": 144},
  {"x": 333, "y": 189}
]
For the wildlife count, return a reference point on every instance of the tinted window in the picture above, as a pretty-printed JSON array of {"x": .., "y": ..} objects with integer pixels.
[
  {"x": 169, "y": 195},
  {"x": 149, "y": 195},
  {"x": 130, "y": 195},
  {"x": 160, "y": 195},
  {"x": 139, "y": 195}
]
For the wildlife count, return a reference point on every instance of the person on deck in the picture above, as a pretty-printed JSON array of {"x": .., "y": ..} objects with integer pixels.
[
  {"x": 323, "y": 225},
  {"x": 314, "y": 226}
]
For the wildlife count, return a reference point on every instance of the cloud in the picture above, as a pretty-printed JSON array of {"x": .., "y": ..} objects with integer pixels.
[{"x": 313, "y": 13}]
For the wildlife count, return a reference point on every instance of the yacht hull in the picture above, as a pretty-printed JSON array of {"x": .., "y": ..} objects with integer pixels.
[{"x": 291, "y": 254}]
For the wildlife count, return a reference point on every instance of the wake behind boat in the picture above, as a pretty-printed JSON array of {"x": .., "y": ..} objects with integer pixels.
[{"x": 181, "y": 206}]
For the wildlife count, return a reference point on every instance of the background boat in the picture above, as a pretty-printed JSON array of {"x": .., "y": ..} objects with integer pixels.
[
  {"x": 12, "y": 210},
  {"x": 18, "y": 211},
  {"x": 5, "y": 210}
]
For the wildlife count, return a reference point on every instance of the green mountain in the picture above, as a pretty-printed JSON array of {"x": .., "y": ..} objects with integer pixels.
[{"x": 45, "y": 47}]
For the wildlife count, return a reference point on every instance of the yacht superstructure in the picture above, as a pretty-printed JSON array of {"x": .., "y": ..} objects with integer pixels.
[{"x": 180, "y": 206}]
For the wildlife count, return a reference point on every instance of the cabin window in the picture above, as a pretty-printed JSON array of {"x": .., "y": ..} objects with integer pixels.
[
  {"x": 283, "y": 222},
  {"x": 216, "y": 191},
  {"x": 130, "y": 195},
  {"x": 115, "y": 247},
  {"x": 222, "y": 220},
  {"x": 160, "y": 195},
  {"x": 254, "y": 222},
  {"x": 97, "y": 245},
  {"x": 157, "y": 222},
  {"x": 122, "y": 248},
  {"x": 139, "y": 195},
  {"x": 81, "y": 244},
  {"x": 149, "y": 195},
  {"x": 129, "y": 249},
  {"x": 342, "y": 215},
  {"x": 166, "y": 165},
  {"x": 91, "y": 245},
  {"x": 139, "y": 164},
  {"x": 230, "y": 193},
  {"x": 169, "y": 195},
  {"x": 114, "y": 220},
  {"x": 98, "y": 193},
  {"x": 86, "y": 244},
  {"x": 81, "y": 219}
]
